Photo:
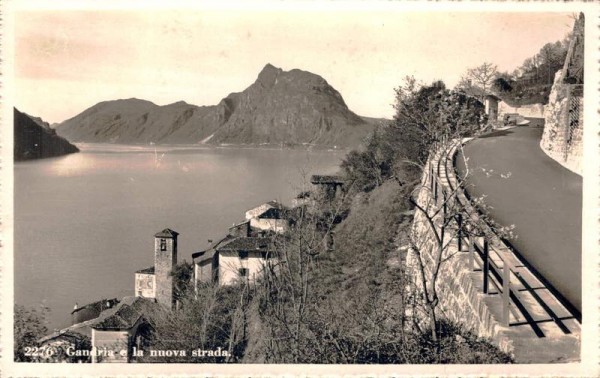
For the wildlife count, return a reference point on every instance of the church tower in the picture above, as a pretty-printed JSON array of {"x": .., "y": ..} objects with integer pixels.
[{"x": 165, "y": 259}]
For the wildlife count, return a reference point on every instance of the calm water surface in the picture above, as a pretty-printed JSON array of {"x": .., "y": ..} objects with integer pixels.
[{"x": 84, "y": 223}]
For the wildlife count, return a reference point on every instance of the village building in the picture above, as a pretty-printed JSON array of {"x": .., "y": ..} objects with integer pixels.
[
  {"x": 120, "y": 329},
  {"x": 491, "y": 102},
  {"x": 243, "y": 253},
  {"x": 157, "y": 281},
  {"x": 145, "y": 283},
  {"x": 243, "y": 259},
  {"x": 233, "y": 260},
  {"x": 236, "y": 258},
  {"x": 107, "y": 330},
  {"x": 109, "y": 337},
  {"x": 271, "y": 216}
]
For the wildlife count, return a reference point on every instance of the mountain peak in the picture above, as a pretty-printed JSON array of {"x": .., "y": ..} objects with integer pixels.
[
  {"x": 268, "y": 75},
  {"x": 292, "y": 107}
]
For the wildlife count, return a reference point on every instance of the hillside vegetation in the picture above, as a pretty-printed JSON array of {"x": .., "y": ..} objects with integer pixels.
[
  {"x": 531, "y": 82},
  {"x": 34, "y": 139}
]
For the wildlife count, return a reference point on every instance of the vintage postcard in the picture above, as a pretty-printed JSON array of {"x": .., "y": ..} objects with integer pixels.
[{"x": 299, "y": 187}]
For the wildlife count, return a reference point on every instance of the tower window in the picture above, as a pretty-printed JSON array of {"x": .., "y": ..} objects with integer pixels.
[
  {"x": 243, "y": 255},
  {"x": 163, "y": 244},
  {"x": 243, "y": 272}
]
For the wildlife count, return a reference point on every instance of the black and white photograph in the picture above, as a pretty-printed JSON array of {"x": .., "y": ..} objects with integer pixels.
[{"x": 302, "y": 187}]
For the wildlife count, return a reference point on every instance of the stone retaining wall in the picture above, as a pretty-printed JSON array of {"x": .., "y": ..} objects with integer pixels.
[
  {"x": 530, "y": 111},
  {"x": 459, "y": 288},
  {"x": 563, "y": 131}
]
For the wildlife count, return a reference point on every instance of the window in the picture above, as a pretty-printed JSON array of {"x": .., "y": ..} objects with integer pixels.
[
  {"x": 243, "y": 272},
  {"x": 163, "y": 244},
  {"x": 243, "y": 255}
]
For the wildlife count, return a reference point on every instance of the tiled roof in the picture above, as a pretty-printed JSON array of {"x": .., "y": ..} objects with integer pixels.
[
  {"x": 207, "y": 255},
  {"x": 247, "y": 244},
  {"x": 239, "y": 224},
  {"x": 65, "y": 333},
  {"x": 275, "y": 204},
  {"x": 98, "y": 305},
  {"x": 258, "y": 210},
  {"x": 166, "y": 233},
  {"x": 493, "y": 96},
  {"x": 146, "y": 270},
  {"x": 274, "y": 213},
  {"x": 225, "y": 239},
  {"x": 125, "y": 315},
  {"x": 139, "y": 305},
  {"x": 326, "y": 179},
  {"x": 124, "y": 318}
]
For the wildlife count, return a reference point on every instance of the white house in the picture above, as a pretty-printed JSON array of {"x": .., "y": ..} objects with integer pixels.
[{"x": 270, "y": 216}]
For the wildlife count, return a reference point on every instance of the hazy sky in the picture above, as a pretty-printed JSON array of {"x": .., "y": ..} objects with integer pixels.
[{"x": 66, "y": 61}]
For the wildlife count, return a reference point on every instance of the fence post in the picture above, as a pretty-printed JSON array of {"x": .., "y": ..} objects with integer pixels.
[
  {"x": 486, "y": 265},
  {"x": 444, "y": 199},
  {"x": 431, "y": 174},
  {"x": 459, "y": 233},
  {"x": 506, "y": 293},
  {"x": 471, "y": 252},
  {"x": 435, "y": 190}
]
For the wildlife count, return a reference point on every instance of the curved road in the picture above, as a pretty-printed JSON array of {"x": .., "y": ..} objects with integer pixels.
[{"x": 540, "y": 197}]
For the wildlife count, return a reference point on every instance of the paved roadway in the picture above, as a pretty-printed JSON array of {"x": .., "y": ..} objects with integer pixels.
[{"x": 541, "y": 198}]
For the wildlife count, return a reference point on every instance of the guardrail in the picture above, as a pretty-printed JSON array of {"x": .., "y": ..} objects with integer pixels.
[{"x": 497, "y": 261}]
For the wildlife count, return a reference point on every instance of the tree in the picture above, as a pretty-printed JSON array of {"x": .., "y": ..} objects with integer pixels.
[
  {"x": 182, "y": 280},
  {"x": 428, "y": 115},
  {"x": 503, "y": 83},
  {"x": 477, "y": 81},
  {"x": 29, "y": 326}
]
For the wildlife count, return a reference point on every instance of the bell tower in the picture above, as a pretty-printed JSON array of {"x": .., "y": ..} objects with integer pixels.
[{"x": 165, "y": 259}]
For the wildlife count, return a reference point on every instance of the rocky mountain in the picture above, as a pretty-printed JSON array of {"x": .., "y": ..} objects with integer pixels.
[
  {"x": 34, "y": 139},
  {"x": 280, "y": 107}
]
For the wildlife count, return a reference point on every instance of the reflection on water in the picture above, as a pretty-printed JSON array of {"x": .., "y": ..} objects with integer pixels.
[{"x": 84, "y": 223}]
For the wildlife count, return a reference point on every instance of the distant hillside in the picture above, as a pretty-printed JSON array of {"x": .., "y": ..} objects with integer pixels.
[
  {"x": 280, "y": 107},
  {"x": 34, "y": 139}
]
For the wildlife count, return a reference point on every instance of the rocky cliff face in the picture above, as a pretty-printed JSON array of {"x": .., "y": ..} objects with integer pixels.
[
  {"x": 280, "y": 107},
  {"x": 34, "y": 139}
]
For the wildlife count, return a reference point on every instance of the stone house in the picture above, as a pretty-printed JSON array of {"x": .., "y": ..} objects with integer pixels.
[
  {"x": 145, "y": 283},
  {"x": 240, "y": 256},
  {"x": 109, "y": 337},
  {"x": 270, "y": 216},
  {"x": 120, "y": 329},
  {"x": 233, "y": 259},
  {"x": 243, "y": 259}
]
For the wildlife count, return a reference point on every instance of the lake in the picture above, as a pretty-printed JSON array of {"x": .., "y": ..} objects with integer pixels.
[{"x": 85, "y": 222}]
